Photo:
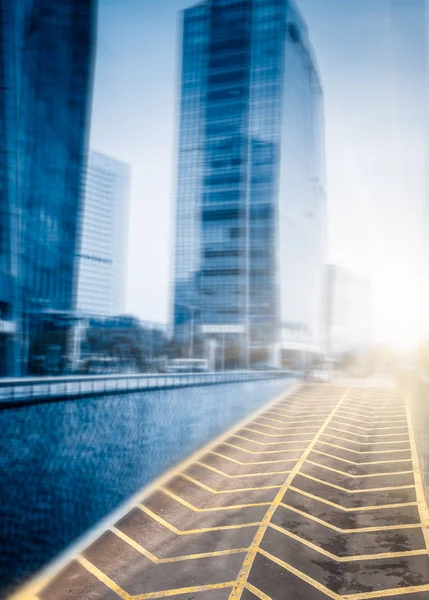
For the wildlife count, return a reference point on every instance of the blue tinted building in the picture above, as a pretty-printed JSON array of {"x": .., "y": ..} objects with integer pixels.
[
  {"x": 47, "y": 67},
  {"x": 251, "y": 201}
]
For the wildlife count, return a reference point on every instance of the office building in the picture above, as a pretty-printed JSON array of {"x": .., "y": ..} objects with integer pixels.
[
  {"x": 348, "y": 314},
  {"x": 250, "y": 210},
  {"x": 102, "y": 253},
  {"x": 46, "y": 71}
]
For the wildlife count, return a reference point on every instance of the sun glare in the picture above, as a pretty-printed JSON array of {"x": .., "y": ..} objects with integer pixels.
[{"x": 400, "y": 307}]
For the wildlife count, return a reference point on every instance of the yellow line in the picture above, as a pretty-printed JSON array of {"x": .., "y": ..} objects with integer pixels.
[
  {"x": 346, "y": 559},
  {"x": 198, "y": 462},
  {"x": 287, "y": 423},
  {"x": 258, "y": 462},
  {"x": 103, "y": 578},
  {"x": 302, "y": 576},
  {"x": 284, "y": 429},
  {"x": 382, "y": 474},
  {"x": 373, "y": 414},
  {"x": 300, "y": 421},
  {"x": 174, "y": 529},
  {"x": 256, "y": 592},
  {"x": 216, "y": 508},
  {"x": 373, "y": 462},
  {"x": 262, "y": 451},
  {"x": 348, "y": 531},
  {"x": 387, "y": 593},
  {"x": 420, "y": 494},
  {"x": 369, "y": 435},
  {"x": 159, "y": 561},
  {"x": 363, "y": 451},
  {"x": 248, "y": 562},
  {"x": 308, "y": 413},
  {"x": 370, "y": 428},
  {"x": 346, "y": 509},
  {"x": 343, "y": 415},
  {"x": 213, "y": 491},
  {"x": 241, "y": 437},
  {"x": 274, "y": 435},
  {"x": 364, "y": 491},
  {"x": 338, "y": 437}
]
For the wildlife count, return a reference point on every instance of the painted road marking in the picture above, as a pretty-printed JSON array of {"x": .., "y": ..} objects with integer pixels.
[
  {"x": 346, "y": 509},
  {"x": 249, "y": 560},
  {"x": 346, "y": 559},
  {"x": 353, "y": 530},
  {"x": 381, "y": 474}
]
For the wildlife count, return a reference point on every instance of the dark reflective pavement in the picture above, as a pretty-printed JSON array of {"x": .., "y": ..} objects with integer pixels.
[{"x": 66, "y": 465}]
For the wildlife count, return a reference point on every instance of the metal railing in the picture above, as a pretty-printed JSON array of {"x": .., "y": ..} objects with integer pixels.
[{"x": 32, "y": 389}]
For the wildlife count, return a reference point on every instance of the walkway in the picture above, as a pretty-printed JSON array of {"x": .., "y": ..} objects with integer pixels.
[{"x": 318, "y": 496}]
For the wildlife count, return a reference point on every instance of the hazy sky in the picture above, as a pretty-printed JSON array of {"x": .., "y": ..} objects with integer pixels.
[{"x": 371, "y": 62}]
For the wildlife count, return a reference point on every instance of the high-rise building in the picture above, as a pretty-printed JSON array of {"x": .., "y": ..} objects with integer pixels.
[
  {"x": 250, "y": 211},
  {"x": 46, "y": 71},
  {"x": 102, "y": 253},
  {"x": 348, "y": 314}
]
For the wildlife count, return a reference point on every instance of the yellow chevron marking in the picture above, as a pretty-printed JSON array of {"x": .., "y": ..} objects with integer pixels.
[
  {"x": 257, "y": 592},
  {"x": 262, "y": 451},
  {"x": 398, "y": 414},
  {"x": 104, "y": 579},
  {"x": 344, "y": 415},
  {"x": 299, "y": 422},
  {"x": 333, "y": 595},
  {"x": 373, "y": 462},
  {"x": 216, "y": 508},
  {"x": 346, "y": 509},
  {"x": 364, "y": 491},
  {"x": 255, "y": 546},
  {"x": 241, "y": 437},
  {"x": 362, "y": 451},
  {"x": 316, "y": 464},
  {"x": 159, "y": 561},
  {"x": 161, "y": 594},
  {"x": 258, "y": 462},
  {"x": 302, "y": 576},
  {"x": 307, "y": 413},
  {"x": 346, "y": 559},
  {"x": 213, "y": 491},
  {"x": 283, "y": 429},
  {"x": 369, "y": 428},
  {"x": 337, "y": 437},
  {"x": 348, "y": 531},
  {"x": 174, "y": 529},
  {"x": 198, "y": 462},
  {"x": 370, "y": 435},
  {"x": 264, "y": 433},
  {"x": 420, "y": 494},
  {"x": 288, "y": 423}
]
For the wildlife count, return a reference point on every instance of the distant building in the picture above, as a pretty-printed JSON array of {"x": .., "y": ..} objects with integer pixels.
[
  {"x": 47, "y": 51},
  {"x": 250, "y": 213},
  {"x": 348, "y": 315},
  {"x": 102, "y": 253}
]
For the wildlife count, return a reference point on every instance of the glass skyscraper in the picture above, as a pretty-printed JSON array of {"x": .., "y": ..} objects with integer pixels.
[
  {"x": 102, "y": 252},
  {"x": 46, "y": 64},
  {"x": 250, "y": 203}
]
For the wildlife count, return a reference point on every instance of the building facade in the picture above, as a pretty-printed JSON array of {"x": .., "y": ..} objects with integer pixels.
[
  {"x": 348, "y": 314},
  {"x": 46, "y": 70},
  {"x": 103, "y": 243},
  {"x": 250, "y": 200}
]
